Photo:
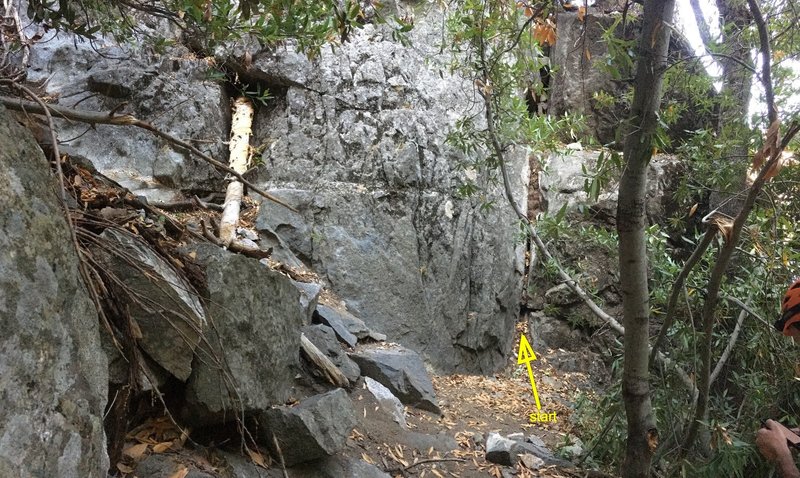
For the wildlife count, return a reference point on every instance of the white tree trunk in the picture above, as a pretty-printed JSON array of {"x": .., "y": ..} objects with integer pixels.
[{"x": 241, "y": 129}]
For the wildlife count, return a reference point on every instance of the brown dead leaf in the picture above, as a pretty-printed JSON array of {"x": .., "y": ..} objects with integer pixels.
[
  {"x": 181, "y": 473},
  {"x": 772, "y": 135},
  {"x": 124, "y": 468},
  {"x": 435, "y": 472},
  {"x": 162, "y": 447},
  {"x": 693, "y": 210},
  {"x": 367, "y": 458},
  {"x": 581, "y": 13},
  {"x": 136, "y": 332},
  {"x": 724, "y": 224},
  {"x": 135, "y": 451},
  {"x": 758, "y": 160},
  {"x": 544, "y": 33},
  {"x": 396, "y": 458},
  {"x": 182, "y": 439},
  {"x": 257, "y": 458},
  {"x": 773, "y": 170},
  {"x": 652, "y": 439}
]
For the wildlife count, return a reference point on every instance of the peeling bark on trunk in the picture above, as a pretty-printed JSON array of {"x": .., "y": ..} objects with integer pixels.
[
  {"x": 241, "y": 128},
  {"x": 631, "y": 223}
]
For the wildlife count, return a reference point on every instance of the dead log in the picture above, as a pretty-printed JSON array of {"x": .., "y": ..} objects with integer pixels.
[
  {"x": 328, "y": 368},
  {"x": 241, "y": 129}
]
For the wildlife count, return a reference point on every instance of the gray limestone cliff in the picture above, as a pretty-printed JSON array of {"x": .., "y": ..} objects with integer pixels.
[{"x": 53, "y": 374}]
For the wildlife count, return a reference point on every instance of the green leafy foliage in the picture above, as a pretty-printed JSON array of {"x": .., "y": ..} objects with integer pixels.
[
  {"x": 496, "y": 46},
  {"x": 309, "y": 23}
]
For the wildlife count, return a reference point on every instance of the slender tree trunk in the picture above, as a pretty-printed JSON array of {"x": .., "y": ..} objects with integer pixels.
[
  {"x": 733, "y": 130},
  {"x": 631, "y": 223}
]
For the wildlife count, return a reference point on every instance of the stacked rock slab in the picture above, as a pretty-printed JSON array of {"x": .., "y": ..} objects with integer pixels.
[
  {"x": 160, "y": 301},
  {"x": 53, "y": 373}
]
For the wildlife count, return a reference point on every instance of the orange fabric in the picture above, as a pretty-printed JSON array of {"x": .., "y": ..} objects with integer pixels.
[
  {"x": 792, "y": 296},
  {"x": 787, "y": 327}
]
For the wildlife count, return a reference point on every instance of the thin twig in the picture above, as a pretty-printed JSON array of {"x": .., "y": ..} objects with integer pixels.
[
  {"x": 677, "y": 287},
  {"x": 422, "y": 462},
  {"x": 280, "y": 456},
  {"x": 723, "y": 359},
  {"x": 432, "y": 460}
]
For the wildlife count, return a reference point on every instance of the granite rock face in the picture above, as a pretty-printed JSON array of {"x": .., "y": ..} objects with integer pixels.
[
  {"x": 357, "y": 146},
  {"x": 53, "y": 372},
  {"x": 354, "y": 140},
  {"x": 173, "y": 92},
  {"x": 562, "y": 184},
  {"x": 580, "y": 73}
]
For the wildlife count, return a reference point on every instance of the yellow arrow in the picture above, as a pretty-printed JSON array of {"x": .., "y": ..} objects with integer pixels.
[{"x": 525, "y": 356}]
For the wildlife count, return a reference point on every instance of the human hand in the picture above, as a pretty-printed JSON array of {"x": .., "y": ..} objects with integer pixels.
[{"x": 771, "y": 441}]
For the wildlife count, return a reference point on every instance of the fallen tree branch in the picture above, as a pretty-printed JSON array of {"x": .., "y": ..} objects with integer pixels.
[
  {"x": 237, "y": 245},
  {"x": 95, "y": 118},
  {"x": 331, "y": 371},
  {"x": 188, "y": 205}
]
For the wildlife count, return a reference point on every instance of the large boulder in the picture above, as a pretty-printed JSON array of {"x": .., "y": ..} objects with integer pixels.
[
  {"x": 380, "y": 218},
  {"x": 562, "y": 183},
  {"x": 251, "y": 355},
  {"x": 53, "y": 373},
  {"x": 315, "y": 428},
  {"x": 400, "y": 370},
  {"x": 173, "y": 92}
]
